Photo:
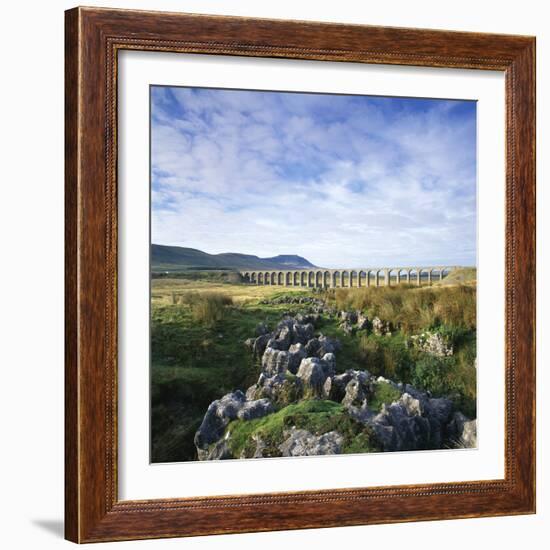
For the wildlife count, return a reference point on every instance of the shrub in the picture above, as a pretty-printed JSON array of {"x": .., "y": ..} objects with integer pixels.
[
  {"x": 209, "y": 307},
  {"x": 430, "y": 373},
  {"x": 397, "y": 359},
  {"x": 371, "y": 354},
  {"x": 454, "y": 377},
  {"x": 383, "y": 356}
]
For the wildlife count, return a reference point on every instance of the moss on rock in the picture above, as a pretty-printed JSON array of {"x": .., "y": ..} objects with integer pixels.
[{"x": 315, "y": 416}]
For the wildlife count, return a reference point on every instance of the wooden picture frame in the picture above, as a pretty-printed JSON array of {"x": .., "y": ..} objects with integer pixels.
[{"x": 93, "y": 511}]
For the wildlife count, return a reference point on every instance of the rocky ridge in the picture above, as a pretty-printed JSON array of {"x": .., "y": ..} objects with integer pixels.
[{"x": 298, "y": 365}]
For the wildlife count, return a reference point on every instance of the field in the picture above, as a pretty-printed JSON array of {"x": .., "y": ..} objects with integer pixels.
[{"x": 200, "y": 322}]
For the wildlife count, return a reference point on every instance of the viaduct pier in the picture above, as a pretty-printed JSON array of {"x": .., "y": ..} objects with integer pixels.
[{"x": 332, "y": 278}]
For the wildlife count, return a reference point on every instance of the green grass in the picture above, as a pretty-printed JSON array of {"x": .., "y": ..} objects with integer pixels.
[
  {"x": 317, "y": 417},
  {"x": 276, "y": 294},
  {"x": 453, "y": 376},
  {"x": 384, "y": 394},
  {"x": 194, "y": 363},
  {"x": 387, "y": 356}
]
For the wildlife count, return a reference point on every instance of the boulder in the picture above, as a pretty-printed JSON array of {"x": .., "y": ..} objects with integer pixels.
[
  {"x": 281, "y": 339},
  {"x": 348, "y": 317},
  {"x": 217, "y": 417},
  {"x": 255, "y": 409},
  {"x": 355, "y": 394},
  {"x": 260, "y": 344},
  {"x": 335, "y": 387},
  {"x": 312, "y": 373},
  {"x": 413, "y": 422},
  {"x": 316, "y": 318},
  {"x": 329, "y": 364},
  {"x": 381, "y": 328},
  {"x": 304, "y": 443},
  {"x": 296, "y": 353},
  {"x": 252, "y": 392},
  {"x": 312, "y": 347},
  {"x": 411, "y": 405},
  {"x": 218, "y": 451},
  {"x": 439, "y": 413},
  {"x": 433, "y": 343},
  {"x": 260, "y": 447},
  {"x": 301, "y": 334},
  {"x": 327, "y": 388},
  {"x": 275, "y": 361},
  {"x": 399, "y": 431},
  {"x": 281, "y": 389},
  {"x": 462, "y": 432},
  {"x": 439, "y": 409},
  {"x": 362, "y": 321},
  {"x": 363, "y": 414},
  {"x": 327, "y": 345}
]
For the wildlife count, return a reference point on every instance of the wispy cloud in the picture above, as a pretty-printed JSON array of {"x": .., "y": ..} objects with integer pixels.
[{"x": 341, "y": 180}]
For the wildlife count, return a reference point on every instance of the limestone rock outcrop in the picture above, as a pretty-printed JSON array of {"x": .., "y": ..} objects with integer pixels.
[
  {"x": 299, "y": 364},
  {"x": 433, "y": 343}
]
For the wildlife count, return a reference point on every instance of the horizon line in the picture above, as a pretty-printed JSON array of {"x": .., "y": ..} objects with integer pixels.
[{"x": 314, "y": 266}]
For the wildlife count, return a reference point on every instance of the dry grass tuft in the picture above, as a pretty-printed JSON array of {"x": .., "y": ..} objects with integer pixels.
[{"x": 410, "y": 308}]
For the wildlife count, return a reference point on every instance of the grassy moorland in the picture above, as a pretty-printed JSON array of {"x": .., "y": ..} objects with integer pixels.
[
  {"x": 197, "y": 334},
  {"x": 199, "y": 324}
]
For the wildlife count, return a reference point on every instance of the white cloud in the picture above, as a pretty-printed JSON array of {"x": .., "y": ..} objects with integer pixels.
[{"x": 341, "y": 181}]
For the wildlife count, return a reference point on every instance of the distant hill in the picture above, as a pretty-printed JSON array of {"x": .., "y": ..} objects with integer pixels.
[{"x": 173, "y": 258}]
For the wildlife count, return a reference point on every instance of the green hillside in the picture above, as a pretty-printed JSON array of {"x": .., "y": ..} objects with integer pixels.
[{"x": 174, "y": 258}]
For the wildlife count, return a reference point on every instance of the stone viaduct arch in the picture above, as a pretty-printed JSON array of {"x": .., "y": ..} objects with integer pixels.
[{"x": 348, "y": 278}]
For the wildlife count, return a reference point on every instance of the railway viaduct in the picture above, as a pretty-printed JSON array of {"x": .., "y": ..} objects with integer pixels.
[{"x": 332, "y": 278}]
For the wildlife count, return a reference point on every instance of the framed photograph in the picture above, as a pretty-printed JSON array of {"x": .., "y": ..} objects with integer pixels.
[{"x": 300, "y": 275}]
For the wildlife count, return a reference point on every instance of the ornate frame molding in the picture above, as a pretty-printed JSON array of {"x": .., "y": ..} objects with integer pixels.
[{"x": 93, "y": 38}]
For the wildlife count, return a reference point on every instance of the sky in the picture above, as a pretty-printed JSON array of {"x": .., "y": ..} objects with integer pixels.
[{"x": 342, "y": 180}]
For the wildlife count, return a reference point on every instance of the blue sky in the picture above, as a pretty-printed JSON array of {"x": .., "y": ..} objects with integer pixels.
[{"x": 345, "y": 181}]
